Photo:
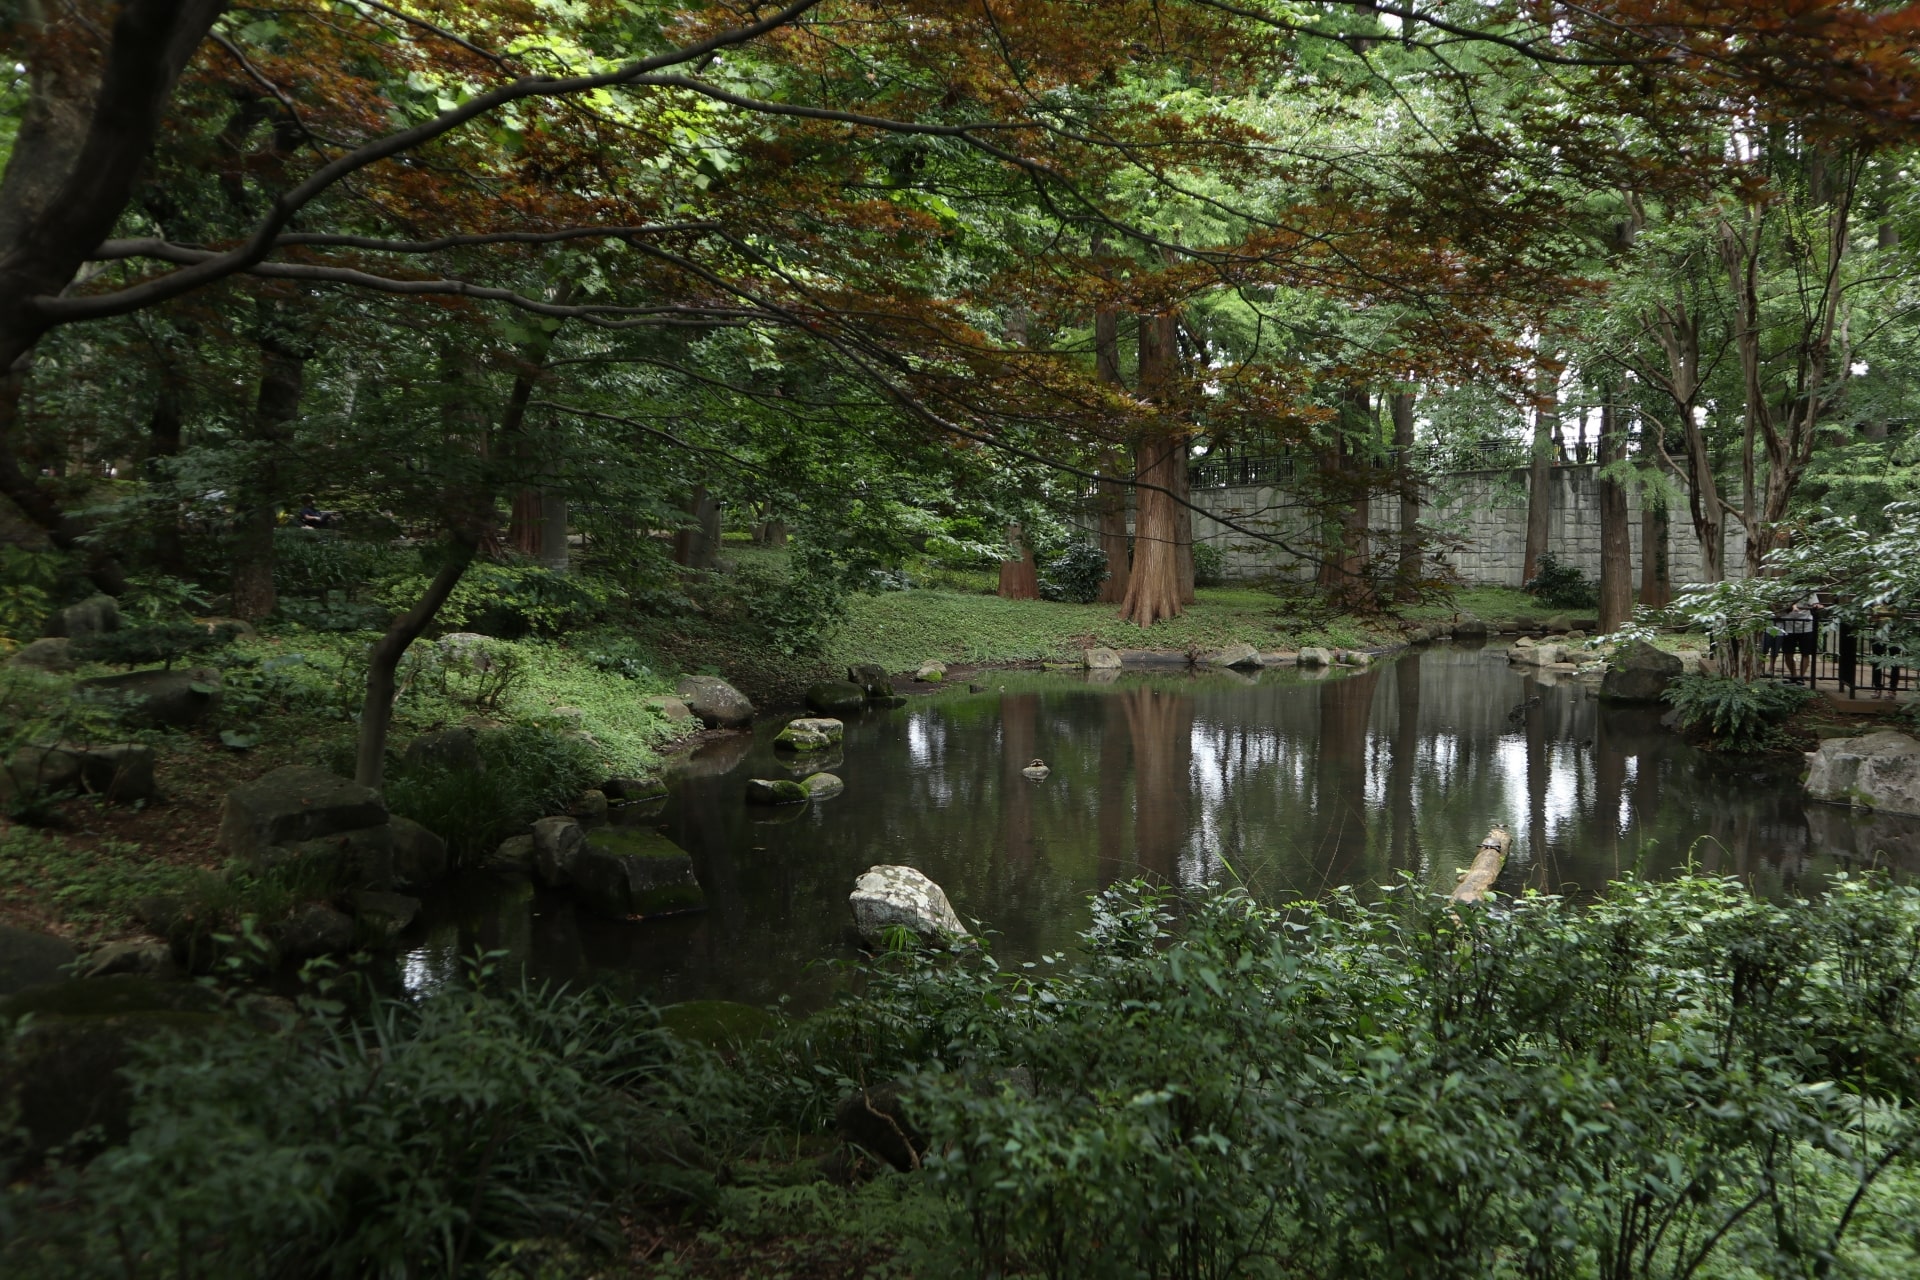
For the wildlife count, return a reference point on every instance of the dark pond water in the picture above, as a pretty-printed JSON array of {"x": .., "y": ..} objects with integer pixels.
[{"x": 1284, "y": 782}]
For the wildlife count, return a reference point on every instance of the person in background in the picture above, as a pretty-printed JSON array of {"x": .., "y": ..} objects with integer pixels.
[{"x": 1798, "y": 640}]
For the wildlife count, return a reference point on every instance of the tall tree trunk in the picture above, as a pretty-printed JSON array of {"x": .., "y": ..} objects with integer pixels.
[
  {"x": 1616, "y": 547},
  {"x": 1183, "y": 528},
  {"x": 282, "y": 376},
  {"x": 697, "y": 544},
  {"x": 1020, "y": 577},
  {"x": 376, "y": 711},
  {"x": 1546, "y": 421},
  {"x": 1656, "y": 580},
  {"x": 1347, "y": 475},
  {"x": 523, "y": 526},
  {"x": 1154, "y": 588},
  {"x": 1407, "y": 575},
  {"x": 163, "y": 442},
  {"x": 553, "y": 530},
  {"x": 1112, "y": 500}
]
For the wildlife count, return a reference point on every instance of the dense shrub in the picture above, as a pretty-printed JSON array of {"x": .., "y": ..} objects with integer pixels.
[
  {"x": 1075, "y": 575},
  {"x": 1209, "y": 565},
  {"x": 1735, "y": 715},
  {"x": 790, "y": 611},
  {"x": 530, "y": 771},
  {"x": 419, "y": 1139},
  {"x": 1681, "y": 1079},
  {"x": 1559, "y": 585}
]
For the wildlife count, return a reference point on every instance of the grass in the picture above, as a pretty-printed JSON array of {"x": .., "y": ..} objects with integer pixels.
[
  {"x": 92, "y": 893},
  {"x": 900, "y": 629}
]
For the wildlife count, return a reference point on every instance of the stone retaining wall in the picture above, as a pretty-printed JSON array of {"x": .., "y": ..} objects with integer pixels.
[{"x": 1487, "y": 509}]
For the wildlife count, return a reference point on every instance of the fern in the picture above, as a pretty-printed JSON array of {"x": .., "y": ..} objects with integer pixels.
[{"x": 1737, "y": 716}]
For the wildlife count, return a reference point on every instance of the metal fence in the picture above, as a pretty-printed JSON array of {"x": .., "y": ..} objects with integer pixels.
[{"x": 1842, "y": 659}]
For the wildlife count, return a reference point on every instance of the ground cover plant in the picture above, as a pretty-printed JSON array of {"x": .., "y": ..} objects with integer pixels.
[{"x": 1678, "y": 1079}]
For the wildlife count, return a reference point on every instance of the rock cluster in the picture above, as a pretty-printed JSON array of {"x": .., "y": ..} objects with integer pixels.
[
  {"x": 1879, "y": 771},
  {"x": 1638, "y": 672}
]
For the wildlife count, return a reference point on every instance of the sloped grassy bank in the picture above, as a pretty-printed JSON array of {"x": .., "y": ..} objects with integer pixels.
[{"x": 1677, "y": 1080}]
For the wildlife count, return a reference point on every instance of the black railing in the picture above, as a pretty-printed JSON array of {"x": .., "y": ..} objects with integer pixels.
[{"x": 1841, "y": 658}]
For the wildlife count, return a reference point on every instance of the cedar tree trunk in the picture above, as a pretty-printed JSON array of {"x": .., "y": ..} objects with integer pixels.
[
  {"x": 1616, "y": 548},
  {"x": 1407, "y": 576},
  {"x": 1019, "y": 578},
  {"x": 282, "y": 376},
  {"x": 1656, "y": 582},
  {"x": 697, "y": 544},
  {"x": 1546, "y": 420}
]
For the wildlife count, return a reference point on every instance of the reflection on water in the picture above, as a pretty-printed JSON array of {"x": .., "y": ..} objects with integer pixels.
[{"x": 1287, "y": 783}]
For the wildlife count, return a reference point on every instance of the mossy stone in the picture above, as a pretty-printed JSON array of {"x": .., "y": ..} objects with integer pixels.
[{"x": 778, "y": 791}]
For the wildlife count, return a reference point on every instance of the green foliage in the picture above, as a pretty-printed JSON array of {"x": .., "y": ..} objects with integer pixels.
[
  {"x": 28, "y": 581},
  {"x": 417, "y": 1139},
  {"x": 160, "y": 597},
  {"x": 1679, "y": 1079},
  {"x": 93, "y": 891},
  {"x": 162, "y": 642},
  {"x": 790, "y": 611},
  {"x": 1209, "y": 565},
  {"x": 530, "y": 771},
  {"x": 1075, "y": 575},
  {"x": 1736, "y": 715},
  {"x": 1559, "y": 585},
  {"x": 37, "y": 712},
  {"x": 506, "y": 599}
]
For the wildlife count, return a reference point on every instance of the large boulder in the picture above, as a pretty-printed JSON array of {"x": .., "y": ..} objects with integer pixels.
[
  {"x": 633, "y": 790},
  {"x": 714, "y": 702},
  {"x": 312, "y": 931},
  {"x": 122, "y": 773},
  {"x": 671, "y": 709},
  {"x": 1880, "y": 771},
  {"x": 888, "y": 897},
  {"x": 1638, "y": 672},
  {"x": 775, "y": 791},
  {"x": 557, "y": 843},
  {"x": 456, "y": 750},
  {"x": 835, "y": 698},
  {"x": 1099, "y": 658},
  {"x": 1468, "y": 627},
  {"x": 631, "y": 871},
  {"x": 91, "y": 617},
  {"x": 1315, "y": 656},
  {"x": 932, "y": 671},
  {"x": 419, "y": 856},
  {"x": 1238, "y": 656},
  {"x": 50, "y": 653},
  {"x": 816, "y": 733},
  {"x": 872, "y": 679},
  {"x": 29, "y": 959},
  {"x": 379, "y": 918},
  {"x": 294, "y": 804},
  {"x": 822, "y": 786},
  {"x": 61, "y": 1073},
  {"x": 176, "y": 699}
]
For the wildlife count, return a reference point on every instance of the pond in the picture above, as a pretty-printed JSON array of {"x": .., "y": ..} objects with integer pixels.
[{"x": 1289, "y": 782}]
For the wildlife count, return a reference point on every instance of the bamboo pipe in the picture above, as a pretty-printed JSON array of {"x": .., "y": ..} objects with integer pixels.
[{"x": 1487, "y": 861}]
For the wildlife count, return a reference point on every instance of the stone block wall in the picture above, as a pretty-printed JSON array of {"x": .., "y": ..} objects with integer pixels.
[{"x": 1487, "y": 510}]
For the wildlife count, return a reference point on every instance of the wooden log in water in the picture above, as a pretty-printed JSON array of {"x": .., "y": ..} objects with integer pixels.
[{"x": 1487, "y": 861}]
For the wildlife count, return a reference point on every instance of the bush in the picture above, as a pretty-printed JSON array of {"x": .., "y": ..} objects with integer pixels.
[
  {"x": 1209, "y": 565},
  {"x": 422, "y": 1139},
  {"x": 530, "y": 771},
  {"x": 1559, "y": 585},
  {"x": 1075, "y": 575},
  {"x": 791, "y": 612},
  {"x": 1735, "y": 715},
  {"x": 1681, "y": 1074}
]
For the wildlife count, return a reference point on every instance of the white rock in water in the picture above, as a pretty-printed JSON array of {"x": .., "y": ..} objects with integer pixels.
[
  {"x": 1315, "y": 656},
  {"x": 887, "y": 896},
  {"x": 1880, "y": 771}
]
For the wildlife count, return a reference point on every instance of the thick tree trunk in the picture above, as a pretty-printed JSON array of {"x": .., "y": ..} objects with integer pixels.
[
  {"x": 282, "y": 376},
  {"x": 1019, "y": 578},
  {"x": 1183, "y": 527},
  {"x": 163, "y": 442},
  {"x": 1407, "y": 574},
  {"x": 1546, "y": 421},
  {"x": 553, "y": 531},
  {"x": 1112, "y": 503},
  {"x": 1656, "y": 580},
  {"x": 1153, "y": 588},
  {"x": 1161, "y": 582},
  {"x": 697, "y": 544},
  {"x": 1616, "y": 548},
  {"x": 376, "y": 712},
  {"x": 1348, "y": 462},
  {"x": 523, "y": 526},
  {"x": 1112, "y": 500}
]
